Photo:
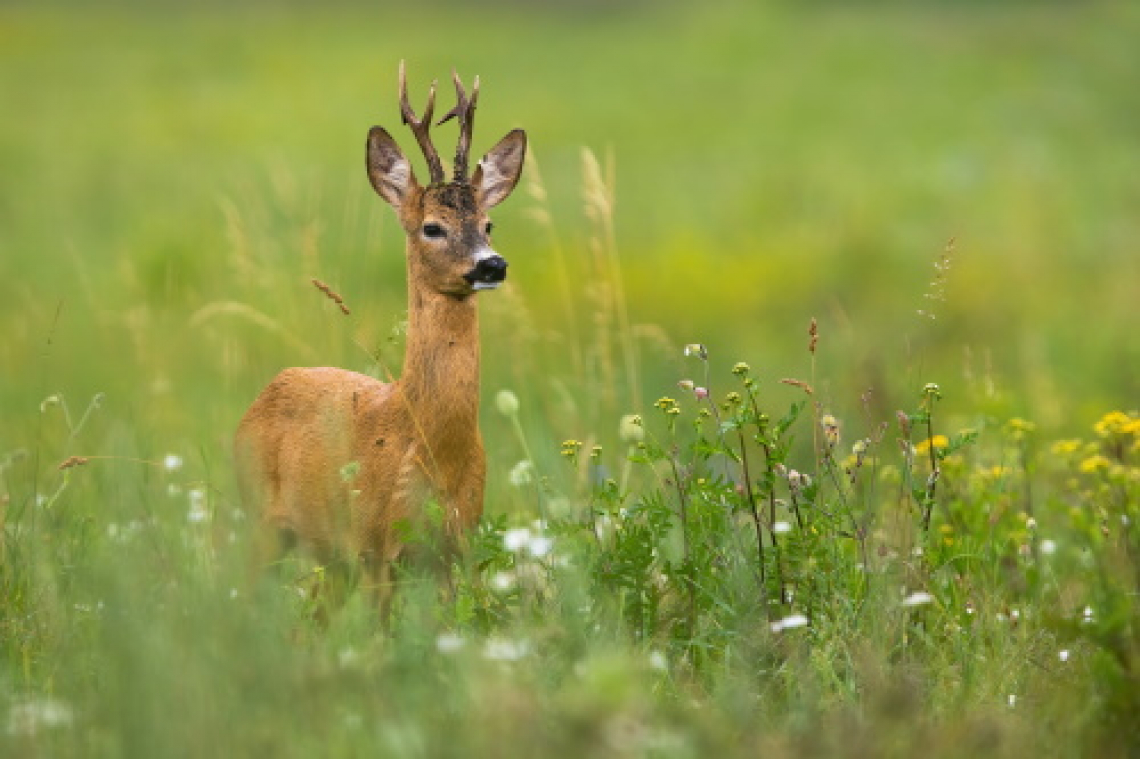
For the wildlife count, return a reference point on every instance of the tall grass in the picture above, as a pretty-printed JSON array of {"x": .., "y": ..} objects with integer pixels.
[
  {"x": 737, "y": 569},
  {"x": 833, "y": 525}
]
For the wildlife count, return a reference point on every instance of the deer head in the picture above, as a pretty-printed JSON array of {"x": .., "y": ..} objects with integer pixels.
[{"x": 446, "y": 223}]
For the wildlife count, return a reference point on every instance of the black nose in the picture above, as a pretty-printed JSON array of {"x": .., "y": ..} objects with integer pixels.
[{"x": 492, "y": 269}]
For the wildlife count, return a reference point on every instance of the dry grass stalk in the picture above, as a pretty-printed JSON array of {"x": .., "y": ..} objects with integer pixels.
[{"x": 332, "y": 295}]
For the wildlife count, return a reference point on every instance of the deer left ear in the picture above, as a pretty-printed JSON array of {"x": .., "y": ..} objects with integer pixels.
[{"x": 499, "y": 171}]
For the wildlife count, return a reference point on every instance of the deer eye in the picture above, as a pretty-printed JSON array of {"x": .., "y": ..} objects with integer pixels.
[
  {"x": 434, "y": 231},
  {"x": 488, "y": 228}
]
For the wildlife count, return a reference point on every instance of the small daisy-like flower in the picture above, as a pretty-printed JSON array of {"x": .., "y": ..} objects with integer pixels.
[
  {"x": 507, "y": 403},
  {"x": 539, "y": 546},
  {"x": 686, "y": 385},
  {"x": 503, "y": 649},
  {"x": 1048, "y": 547},
  {"x": 830, "y": 428},
  {"x": 198, "y": 512},
  {"x": 789, "y": 623},
  {"x": 1117, "y": 423},
  {"x": 1097, "y": 463},
  {"x": 781, "y": 527},
  {"x": 172, "y": 462},
  {"x": 449, "y": 642},
  {"x": 516, "y": 539},
  {"x": 570, "y": 448},
  {"x": 919, "y": 598},
  {"x": 658, "y": 661},
  {"x": 521, "y": 474},
  {"x": 631, "y": 430},
  {"x": 741, "y": 369},
  {"x": 698, "y": 350},
  {"x": 1063, "y": 655},
  {"x": 701, "y": 392}
]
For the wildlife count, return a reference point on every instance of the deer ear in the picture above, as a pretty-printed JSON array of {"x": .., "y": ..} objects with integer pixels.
[
  {"x": 388, "y": 170},
  {"x": 499, "y": 171}
]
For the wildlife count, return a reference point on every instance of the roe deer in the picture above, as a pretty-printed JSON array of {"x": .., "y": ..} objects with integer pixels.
[{"x": 343, "y": 463}]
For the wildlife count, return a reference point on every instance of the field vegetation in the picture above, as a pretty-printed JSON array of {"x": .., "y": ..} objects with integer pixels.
[{"x": 810, "y": 402}]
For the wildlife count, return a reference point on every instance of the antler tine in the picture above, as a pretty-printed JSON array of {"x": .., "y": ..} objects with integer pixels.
[
  {"x": 465, "y": 110},
  {"x": 420, "y": 127}
]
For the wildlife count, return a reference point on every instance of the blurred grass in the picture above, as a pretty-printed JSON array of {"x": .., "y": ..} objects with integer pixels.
[{"x": 173, "y": 176}]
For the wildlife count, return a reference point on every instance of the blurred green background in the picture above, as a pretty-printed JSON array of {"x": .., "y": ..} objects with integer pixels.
[{"x": 173, "y": 175}]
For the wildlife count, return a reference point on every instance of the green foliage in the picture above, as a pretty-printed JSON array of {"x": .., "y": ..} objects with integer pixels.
[{"x": 751, "y": 566}]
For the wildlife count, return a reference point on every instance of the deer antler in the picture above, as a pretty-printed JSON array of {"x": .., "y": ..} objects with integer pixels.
[
  {"x": 465, "y": 110},
  {"x": 420, "y": 127}
]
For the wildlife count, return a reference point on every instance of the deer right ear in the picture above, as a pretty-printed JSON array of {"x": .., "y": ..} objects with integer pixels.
[{"x": 388, "y": 170}]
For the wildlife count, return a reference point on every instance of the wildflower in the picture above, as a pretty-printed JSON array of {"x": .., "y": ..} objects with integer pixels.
[
  {"x": 781, "y": 527},
  {"x": 596, "y": 452},
  {"x": 931, "y": 390},
  {"x": 731, "y": 399},
  {"x": 1019, "y": 428},
  {"x": 789, "y": 623},
  {"x": 1048, "y": 547},
  {"x": 687, "y": 385},
  {"x": 515, "y": 539},
  {"x": 507, "y": 403},
  {"x": 1063, "y": 655},
  {"x": 938, "y": 442},
  {"x": 1097, "y": 463},
  {"x": 665, "y": 403},
  {"x": 198, "y": 512},
  {"x": 1012, "y": 700},
  {"x": 502, "y": 581},
  {"x": 919, "y": 598},
  {"x": 631, "y": 429},
  {"x": 1117, "y": 423},
  {"x": 539, "y": 545},
  {"x": 698, "y": 350},
  {"x": 30, "y": 717},
  {"x": 522, "y": 474},
  {"x": 449, "y": 642},
  {"x": 830, "y": 428},
  {"x": 658, "y": 661},
  {"x": 172, "y": 462},
  {"x": 570, "y": 448},
  {"x": 740, "y": 369},
  {"x": 503, "y": 649},
  {"x": 859, "y": 448},
  {"x": 701, "y": 393},
  {"x": 1066, "y": 447},
  {"x": 1087, "y": 615}
]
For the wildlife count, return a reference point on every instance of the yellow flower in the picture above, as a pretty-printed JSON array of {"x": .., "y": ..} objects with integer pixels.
[
  {"x": 1019, "y": 425},
  {"x": 940, "y": 442},
  {"x": 1118, "y": 423},
  {"x": 1066, "y": 447},
  {"x": 1095, "y": 463}
]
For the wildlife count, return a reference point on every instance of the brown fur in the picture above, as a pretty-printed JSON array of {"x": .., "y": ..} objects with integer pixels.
[{"x": 339, "y": 459}]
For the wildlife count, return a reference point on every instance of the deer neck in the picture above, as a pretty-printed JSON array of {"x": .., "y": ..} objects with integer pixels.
[{"x": 441, "y": 366}]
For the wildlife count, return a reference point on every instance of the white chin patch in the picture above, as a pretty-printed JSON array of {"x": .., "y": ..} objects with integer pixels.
[{"x": 486, "y": 285}]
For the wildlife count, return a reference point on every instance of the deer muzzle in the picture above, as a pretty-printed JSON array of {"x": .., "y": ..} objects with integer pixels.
[{"x": 489, "y": 271}]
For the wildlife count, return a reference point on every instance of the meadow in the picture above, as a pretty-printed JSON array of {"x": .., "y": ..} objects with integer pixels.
[{"x": 810, "y": 401}]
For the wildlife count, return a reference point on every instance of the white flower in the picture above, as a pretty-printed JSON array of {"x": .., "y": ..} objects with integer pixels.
[
  {"x": 507, "y": 403},
  {"x": 515, "y": 539},
  {"x": 30, "y": 717},
  {"x": 1012, "y": 700},
  {"x": 449, "y": 643},
  {"x": 503, "y": 581},
  {"x": 502, "y": 649},
  {"x": 172, "y": 462},
  {"x": 198, "y": 512},
  {"x": 917, "y": 599},
  {"x": 539, "y": 546},
  {"x": 781, "y": 527},
  {"x": 347, "y": 657},
  {"x": 1063, "y": 655},
  {"x": 1048, "y": 547},
  {"x": 658, "y": 661},
  {"x": 522, "y": 474},
  {"x": 791, "y": 622}
]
